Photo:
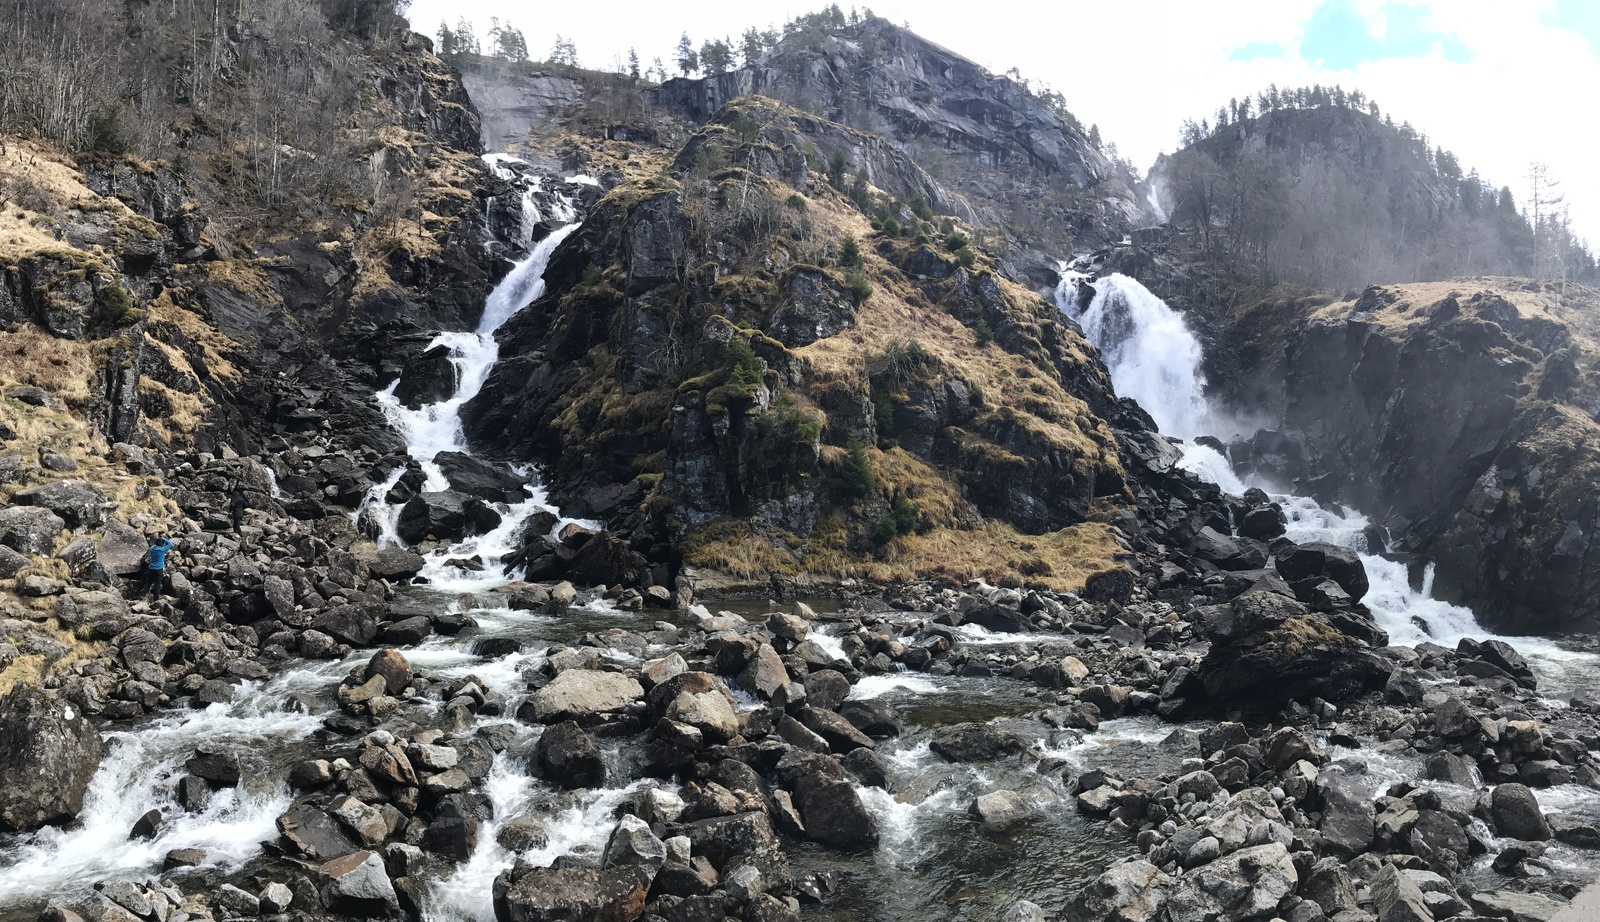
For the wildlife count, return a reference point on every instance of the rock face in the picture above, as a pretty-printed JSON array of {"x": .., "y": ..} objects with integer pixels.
[
  {"x": 52, "y": 752},
  {"x": 1464, "y": 414}
]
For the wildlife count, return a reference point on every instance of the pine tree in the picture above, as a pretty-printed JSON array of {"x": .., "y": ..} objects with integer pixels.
[
  {"x": 447, "y": 40},
  {"x": 633, "y": 64},
  {"x": 688, "y": 60}
]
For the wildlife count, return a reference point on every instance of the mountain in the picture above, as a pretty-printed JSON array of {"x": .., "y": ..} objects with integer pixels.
[{"x": 1318, "y": 190}]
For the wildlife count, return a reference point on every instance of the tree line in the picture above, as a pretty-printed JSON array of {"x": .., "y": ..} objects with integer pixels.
[{"x": 1306, "y": 208}]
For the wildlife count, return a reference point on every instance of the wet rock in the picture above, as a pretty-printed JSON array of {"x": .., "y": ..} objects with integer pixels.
[
  {"x": 826, "y": 689},
  {"x": 183, "y": 858},
  {"x": 365, "y": 821},
  {"x": 1227, "y": 552},
  {"x": 1349, "y": 820},
  {"x": 583, "y": 695},
  {"x": 633, "y": 845},
  {"x": 1134, "y": 891},
  {"x": 746, "y": 836},
  {"x": 698, "y": 700},
  {"x": 408, "y": 632},
  {"x": 1000, "y": 810},
  {"x": 566, "y": 756},
  {"x": 453, "y": 834},
  {"x": 446, "y": 516},
  {"x": 571, "y": 894},
  {"x": 1451, "y": 768},
  {"x": 51, "y": 753},
  {"x": 974, "y": 742},
  {"x": 275, "y": 898},
  {"x": 1516, "y": 907},
  {"x": 478, "y": 478},
  {"x": 1287, "y": 746},
  {"x": 147, "y": 826},
  {"x": 840, "y": 734},
  {"x": 765, "y": 673},
  {"x": 351, "y": 624},
  {"x": 1516, "y": 815},
  {"x": 358, "y": 884},
  {"x": 393, "y": 667},
  {"x": 873, "y": 716},
  {"x": 1452, "y": 719},
  {"x": 834, "y": 814},
  {"x": 30, "y": 530},
  {"x": 313, "y": 834},
  {"x": 1266, "y": 649},
  {"x": 657, "y": 671},
  {"x": 236, "y": 902}
]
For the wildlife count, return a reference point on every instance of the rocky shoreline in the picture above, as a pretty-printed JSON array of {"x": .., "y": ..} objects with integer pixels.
[{"x": 733, "y": 741}]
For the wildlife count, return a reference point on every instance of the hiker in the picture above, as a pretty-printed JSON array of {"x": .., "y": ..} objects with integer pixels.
[
  {"x": 155, "y": 573},
  {"x": 236, "y": 507}
]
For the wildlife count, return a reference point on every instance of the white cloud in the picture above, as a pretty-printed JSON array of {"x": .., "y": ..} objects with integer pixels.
[{"x": 1138, "y": 68}]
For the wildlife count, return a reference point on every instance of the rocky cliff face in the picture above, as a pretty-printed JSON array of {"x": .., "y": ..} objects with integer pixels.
[
  {"x": 1013, "y": 163},
  {"x": 1462, "y": 415}
]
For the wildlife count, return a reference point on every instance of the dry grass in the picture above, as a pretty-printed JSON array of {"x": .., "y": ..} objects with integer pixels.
[
  {"x": 27, "y": 670},
  {"x": 37, "y": 186},
  {"x": 213, "y": 344},
  {"x": 1577, "y": 307}
]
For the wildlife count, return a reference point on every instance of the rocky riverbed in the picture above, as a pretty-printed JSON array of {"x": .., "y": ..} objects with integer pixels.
[{"x": 467, "y": 750}]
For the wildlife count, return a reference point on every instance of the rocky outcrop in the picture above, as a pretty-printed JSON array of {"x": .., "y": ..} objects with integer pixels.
[
  {"x": 52, "y": 753},
  {"x": 1461, "y": 410}
]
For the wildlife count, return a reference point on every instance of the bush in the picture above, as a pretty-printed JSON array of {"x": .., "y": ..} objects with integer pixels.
[
  {"x": 889, "y": 227},
  {"x": 857, "y": 479},
  {"x": 788, "y": 427},
  {"x": 836, "y": 169},
  {"x": 745, "y": 127},
  {"x": 982, "y": 332},
  {"x": 966, "y": 256},
  {"x": 947, "y": 227},
  {"x": 796, "y": 201},
  {"x": 860, "y": 288},
  {"x": 954, "y": 241},
  {"x": 919, "y": 207},
  {"x": 591, "y": 274},
  {"x": 901, "y": 519}
]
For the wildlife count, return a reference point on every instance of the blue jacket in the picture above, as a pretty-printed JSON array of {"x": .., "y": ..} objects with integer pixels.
[{"x": 158, "y": 554}]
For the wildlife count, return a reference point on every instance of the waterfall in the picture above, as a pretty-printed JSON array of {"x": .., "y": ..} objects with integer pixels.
[
  {"x": 1154, "y": 358},
  {"x": 436, "y": 427},
  {"x": 1149, "y": 350}
]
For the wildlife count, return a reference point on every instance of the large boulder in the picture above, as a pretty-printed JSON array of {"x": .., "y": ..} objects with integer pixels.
[
  {"x": 1267, "y": 648},
  {"x": 567, "y": 757},
  {"x": 1318, "y": 558},
  {"x": 479, "y": 478},
  {"x": 1228, "y": 552},
  {"x": 614, "y": 894},
  {"x": 446, "y": 515},
  {"x": 1516, "y": 813},
  {"x": 974, "y": 742},
  {"x": 583, "y": 695},
  {"x": 1247, "y": 884},
  {"x": 1134, "y": 891},
  {"x": 79, "y": 504},
  {"x": 121, "y": 549},
  {"x": 51, "y": 753},
  {"x": 699, "y": 700},
  {"x": 357, "y": 884},
  {"x": 1348, "y": 816},
  {"x": 30, "y": 530}
]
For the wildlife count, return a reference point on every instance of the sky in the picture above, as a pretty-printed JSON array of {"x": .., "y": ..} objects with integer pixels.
[{"x": 1501, "y": 84}]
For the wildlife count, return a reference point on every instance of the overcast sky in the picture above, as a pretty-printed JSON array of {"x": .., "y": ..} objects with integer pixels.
[{"x": 1499, "y": 82}]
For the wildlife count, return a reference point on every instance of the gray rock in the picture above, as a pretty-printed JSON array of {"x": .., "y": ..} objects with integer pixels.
[
  {"x": 1000, "y": 810},
  {"x": 358, "y": 884},
  {"x": 1516, "y": 907},
  {"x": 570, "y": 894},
  {"x": 30, "y": 530},
  {"x": 632, "y": 844},
  {"x": 121, "y": 549},
  {"x": 1516, "y": 815},
  {"x": 566, "y": 756},
  {"x": 1398, "y": 898},
  {"x": 52, "y": 752},
  {"x": 78, "y": 504},
  {"x": 583, "y": 695},
  {"x": 1134, "y": 891},
  {"x": 1348, "y": 816},
  {"x": 1247, "y": 884}
]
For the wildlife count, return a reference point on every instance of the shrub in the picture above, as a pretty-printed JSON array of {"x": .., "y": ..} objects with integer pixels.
[
  {"x": 966, "y": 257},
  {"x": 919, "y": 207},
  {"x": 745, "y": 127},
  {"x": 889, "y": 227},
  {"x": 982, "y": 332},
  {"x": 836, "y": 169},
  {"x": 796, "y": 201},
  {"x": 901, "y": 519},
  {"x": 947, "y": 227},
  {"x": 860, "y": 288},
  {"x": 591, "y": 274},
  {"x": 954, "y": 241}
]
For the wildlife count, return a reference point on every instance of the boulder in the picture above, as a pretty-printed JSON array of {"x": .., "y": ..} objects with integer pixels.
[
  {"x": 1320, "y": 559},
  {"x": 1228, "y": 552},
  {"x": 314, "y": 834},
  {"x": 571, "y": 894},
  {"x": 698, "y": 700},
  {"x": 1134, "y": 891},
  {"x": 1266, "y": 649},
  {"x": 974, "y": 742},
  {"x": 834, "y": 814},
  {"x": 1349, "y": 820},
  {"x": 583, "y": 695},
  {"x": 1398, "y": 898},
  {"x": 634, "y": 845},
  {"x": 357, "y": 884},
  {"x": 30, "y": 530},
  {"x": 478, "y": 478},
  {"x": 1247, "y": 884},
  {"x": 51, "y": 753},
  {"x": 445, "y": 515},
  {"x": 565, "y": 756},
  {"x": 78, "y": 504},
  {"x": 1516, "y": 814},
  {"x": 1000, "y": 810},
  {"x": 121, "y": 549},
  {"x": 393, "y": 667}
]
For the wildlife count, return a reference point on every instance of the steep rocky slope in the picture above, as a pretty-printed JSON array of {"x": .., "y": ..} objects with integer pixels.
[
  {"x": 711, "y": 369},
  {"x": 1463, "y": 415}
]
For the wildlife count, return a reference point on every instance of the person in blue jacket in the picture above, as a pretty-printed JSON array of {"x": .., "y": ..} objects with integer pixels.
[{"x": 155, "y": 574}]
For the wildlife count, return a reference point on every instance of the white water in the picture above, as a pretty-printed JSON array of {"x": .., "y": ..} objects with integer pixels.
[
  {"x": 1154, "y": 358},
  {"x": 436, "y": 427},
  {"x": 140, "y": 773}
]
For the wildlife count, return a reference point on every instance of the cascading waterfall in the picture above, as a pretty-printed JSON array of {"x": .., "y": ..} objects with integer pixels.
[
  {"x": 436, "y": 427},
  {"x": 1154, "y": 358}
]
